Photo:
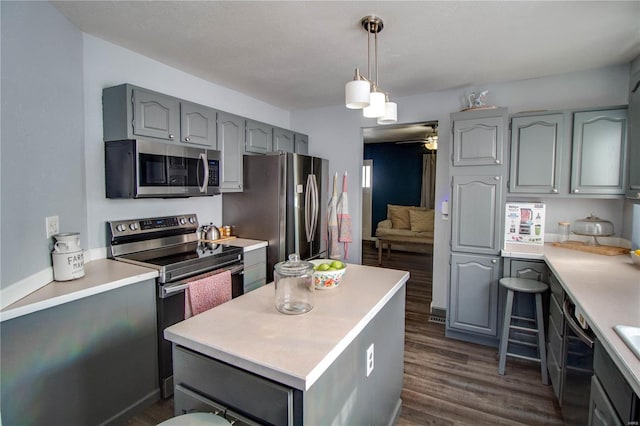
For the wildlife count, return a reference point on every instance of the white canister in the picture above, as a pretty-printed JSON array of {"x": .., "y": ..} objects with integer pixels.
[
  {"x": 67, "y": 256},
  {"x": 68, "y": 266},
  {"x": 67, "y": 243}
]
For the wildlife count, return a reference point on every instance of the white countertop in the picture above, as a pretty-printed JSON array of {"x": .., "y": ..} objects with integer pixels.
[
  {"x": 100, "y": 276},
  {"x": 607, "y": 290},
  {"x": 295, "y": 350}
]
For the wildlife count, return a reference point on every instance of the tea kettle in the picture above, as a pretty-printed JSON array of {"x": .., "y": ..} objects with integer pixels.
[{"x": 209, "y": 232}]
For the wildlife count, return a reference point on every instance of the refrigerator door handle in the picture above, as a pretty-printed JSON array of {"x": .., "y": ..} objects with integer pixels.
[
  {"x": 307, "y": 207},
  {"x": 315, "y": 206}
]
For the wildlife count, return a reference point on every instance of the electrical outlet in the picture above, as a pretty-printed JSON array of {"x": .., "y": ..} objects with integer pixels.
[
  {"x": 53, "y": 226},
  {"x": 369, "y": 360}
]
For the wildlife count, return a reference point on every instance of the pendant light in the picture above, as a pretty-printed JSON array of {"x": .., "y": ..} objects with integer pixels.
[{"x": 364, "y": 92}]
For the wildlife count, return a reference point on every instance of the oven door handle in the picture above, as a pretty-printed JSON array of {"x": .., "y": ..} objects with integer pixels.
[
  {"x": 571, "y": 322},
  {"x": 166, "y": 291}
]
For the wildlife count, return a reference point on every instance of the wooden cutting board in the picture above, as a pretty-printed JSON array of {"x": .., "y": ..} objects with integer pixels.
[
  {"x": 220, "y": 240},
  {"x": 600, "y": 249}
]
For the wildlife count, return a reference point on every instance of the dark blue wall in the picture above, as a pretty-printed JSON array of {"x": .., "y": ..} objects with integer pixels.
[{"x": 397, "y": 176}]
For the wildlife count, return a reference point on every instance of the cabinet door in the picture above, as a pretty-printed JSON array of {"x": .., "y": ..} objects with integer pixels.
[
  {"x": 301, "y": 143},
  {"x": 473, "y": 298},
  {"x": 633, "y": 188},
  {"x": 476, "y": 214},
  {"x": 231, "y": 144},
  {"x": 536, "y": 143},
  {"x": 601, "y": 412},
  {"x": 478, "y": 141},
  {"x": 283, "y": 140},
  {"x": 155, "y": 115},
  {"x": 197, "y": 124},
  {"x": 255, "y": 269},
  {"x": 599, "y": 148},
  {"x": 259, "y": 137}
]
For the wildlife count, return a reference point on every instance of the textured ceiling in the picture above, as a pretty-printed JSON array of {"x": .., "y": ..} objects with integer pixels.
[{"x": 299, "y": 54}]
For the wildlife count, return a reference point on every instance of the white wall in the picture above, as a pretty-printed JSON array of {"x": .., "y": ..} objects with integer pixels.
[
  {"x": 106, "y": 64},
  {"x": 42, "y": 136},
  {"x": 335, "y": 133}
]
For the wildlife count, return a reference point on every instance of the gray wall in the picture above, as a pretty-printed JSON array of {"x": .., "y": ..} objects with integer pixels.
[
  {"x": 42, "y": 135},
  {"x": 341, "y": 142}
]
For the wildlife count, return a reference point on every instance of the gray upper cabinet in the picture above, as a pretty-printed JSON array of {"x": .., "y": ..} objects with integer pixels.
[
  {"x": 130, "y": 112},
  {"x": 476, "y": 213},
  {"x": 536, "y": 152},
  {"x": 473, "y": 294},
  {"x": 633, "y": 166},
  {"x": 197, "y": 125},
  {"x": 599, "y": 148},
  {"x": 478, "y": 140},
  {"x": 301, "y": 143},
  {"x": 283, "y": 140},
  {"x": 231, "y": 134},
  {"x": 259, "y": 139}
]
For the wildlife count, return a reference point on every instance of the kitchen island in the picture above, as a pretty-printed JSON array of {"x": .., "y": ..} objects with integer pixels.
[{"x": 340, "y": 363}]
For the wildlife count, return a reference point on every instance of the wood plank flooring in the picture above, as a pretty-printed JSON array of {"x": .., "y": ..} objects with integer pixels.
[{"x": 446, "y": 382}]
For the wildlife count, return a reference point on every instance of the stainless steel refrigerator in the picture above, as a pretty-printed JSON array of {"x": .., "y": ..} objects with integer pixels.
[{"x": 284, "y": 202}]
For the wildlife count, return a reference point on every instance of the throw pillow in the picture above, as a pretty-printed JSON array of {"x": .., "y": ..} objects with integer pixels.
[
  {"x": 399, "y": 216},
  {"x": 421, "y": 220}
]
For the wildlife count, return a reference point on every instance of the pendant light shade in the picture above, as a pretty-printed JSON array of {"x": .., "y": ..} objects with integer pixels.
[
  {"x": 356, "y": 92},
  {"x": 376, "y": 106},
  {"x": 390, "y": 113}
]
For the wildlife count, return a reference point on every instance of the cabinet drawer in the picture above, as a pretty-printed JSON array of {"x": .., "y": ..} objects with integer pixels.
[
  {"x": 615, "y": 386},
  {"x": 555, "y": 341},
  {"x": 555, "y": 315},
  {"x": 555, "y": 371},
  {"x": 556, "y": 289},
  {"x": 255, "y": 272},
  {"x": 234, "y": 388},
  {"x": 601, "y": 412},
  {"x": 255, "y": 256}
]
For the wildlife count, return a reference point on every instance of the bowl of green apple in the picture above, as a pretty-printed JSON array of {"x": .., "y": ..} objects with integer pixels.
[{"x": 327, "y": 273}]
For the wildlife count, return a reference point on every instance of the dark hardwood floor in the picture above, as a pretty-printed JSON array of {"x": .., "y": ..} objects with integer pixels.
[{"x": 446, "y": 382}]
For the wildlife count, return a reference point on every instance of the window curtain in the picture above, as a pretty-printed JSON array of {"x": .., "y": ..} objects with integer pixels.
[{"x": 427, "y": 193}]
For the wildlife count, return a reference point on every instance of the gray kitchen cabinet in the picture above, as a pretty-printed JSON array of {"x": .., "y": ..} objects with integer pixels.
[
  {"x": 473, "y": 296},
  {"x": 601, "y": 412},
  {"x": 231, "y": 134},
  {"x": 130, "y": 112},
  {"x": 283, "y": 140},
  {"x": 255, "y": 269},
  {"x": 479, "y": 138},
  {"x": 198, "y": 125},
  {"x": 86, "y": 362},
  {"x": 599, "y": 152},
  {"x": 301, "y": 143},
  {"x": 259, "y": 139},
  {"x": 633, "y": 166},
  {"x": 536, "y": 153},
  {"x": 555, "y": 336},
  {"x": 476, "y": 213}
]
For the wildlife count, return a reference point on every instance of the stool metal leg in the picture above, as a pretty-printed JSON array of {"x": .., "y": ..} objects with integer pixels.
[
  {"x": 504, "y": 340},
  {"x": 541, "y": 339}
]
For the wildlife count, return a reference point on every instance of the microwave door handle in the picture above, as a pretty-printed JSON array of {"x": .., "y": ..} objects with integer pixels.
[{"x": 205, "y": 163}]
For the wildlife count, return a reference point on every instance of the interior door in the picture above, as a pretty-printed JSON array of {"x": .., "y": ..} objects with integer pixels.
[{"x": 367, "y": 191}]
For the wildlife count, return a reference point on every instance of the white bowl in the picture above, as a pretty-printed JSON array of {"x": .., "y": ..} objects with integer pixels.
[
  {"x": 635, "y": 258},
  {"x": 327, "y": 279}
]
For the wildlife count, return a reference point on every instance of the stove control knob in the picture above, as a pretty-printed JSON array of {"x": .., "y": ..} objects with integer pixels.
[
  {"x": 121, "y": 228},
  {"x": 182, "y": 221},
  {"x": 192, "y": 220},
  {"x": 133, "y": 226}
]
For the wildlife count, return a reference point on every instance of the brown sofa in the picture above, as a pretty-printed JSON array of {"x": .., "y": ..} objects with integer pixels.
[{"x": 407, "y": 228}]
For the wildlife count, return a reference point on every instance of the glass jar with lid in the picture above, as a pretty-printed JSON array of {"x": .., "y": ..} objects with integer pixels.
[
  {"x": 564, "y": 230},
  {"x": 293, "y": 280}
]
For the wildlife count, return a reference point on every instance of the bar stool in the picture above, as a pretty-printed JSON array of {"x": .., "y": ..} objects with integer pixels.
[{"x": 523, "y": 285}]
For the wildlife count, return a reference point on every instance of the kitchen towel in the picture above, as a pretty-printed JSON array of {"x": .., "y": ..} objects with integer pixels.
[
  {"x": 332, "y": 222},
  {"x": 207, "y": 291},
  {"x": 344, "y": 218}
]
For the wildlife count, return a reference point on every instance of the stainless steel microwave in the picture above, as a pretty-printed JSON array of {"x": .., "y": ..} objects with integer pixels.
[{"x": 137, "y": 168}]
